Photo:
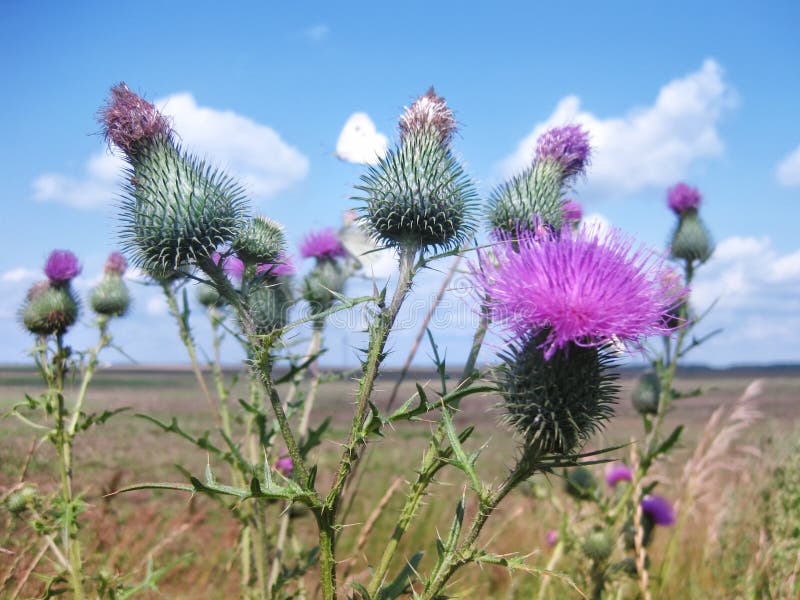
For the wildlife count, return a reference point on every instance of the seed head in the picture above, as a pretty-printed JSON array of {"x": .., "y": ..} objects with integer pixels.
[
  {"x": 429, "y": 111},
  {"x": 131, "y": 122}
]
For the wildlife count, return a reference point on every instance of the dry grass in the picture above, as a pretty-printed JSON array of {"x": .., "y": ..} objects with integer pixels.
[{"x": 197, "y": 537}]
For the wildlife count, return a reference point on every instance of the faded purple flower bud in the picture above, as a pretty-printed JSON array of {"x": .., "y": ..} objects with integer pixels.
[
  {"x": 322, "y": 244},
  {"x": 658, "y": 509},
  {"x": 551, "y": 537},
  {"x": 129, "y": 121},
  {"x": 568, "y": 146},
  {"x": 616, "y": 472},
  {"x": 283, "y": 267},
  {"x": 682, "y": 198},
  {"x": 61, "y": 266},
  {"x": 116, "y": 263},
  {"x": 285, "y": 466},
  {"x": 429, "y": 111},
  {"x": 573, "y": 211}
]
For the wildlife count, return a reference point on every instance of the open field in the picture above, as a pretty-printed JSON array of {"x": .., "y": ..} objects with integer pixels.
[{"x": 196, "y": 537}]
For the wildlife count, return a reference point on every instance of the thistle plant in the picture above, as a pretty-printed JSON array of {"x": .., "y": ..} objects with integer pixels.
[
  {"x": 631, "y": 511},
  {"x": 567, "y": 299},
  {"x": 48, "y": 312}
]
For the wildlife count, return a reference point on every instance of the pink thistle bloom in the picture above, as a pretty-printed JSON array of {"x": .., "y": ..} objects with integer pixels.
[
  {"x": 282, "y": 268},
  {"x": 567, "y": 145},
  {"x": 231, "y": 264},
  {"x": 285, "y": 466},
  {"x": 616, "y": 472},
  {"x": 129, "y": 120},
  {"x": 551, "y": 537},
  {"x": 322, "y": 244},
  {"x": 585, "y": 288},
  {"x": 61, "y": 266},
  {"x": 658, "y": 509},
  {"x": 682, "y": 198},
  {"x": 116, "y": 263},
  {"x": 573, "y": 211},
  {"x": 429, "y": 111}
]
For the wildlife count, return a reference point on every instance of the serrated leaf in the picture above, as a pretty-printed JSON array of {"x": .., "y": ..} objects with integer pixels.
[{"x": 402, "y": 582}]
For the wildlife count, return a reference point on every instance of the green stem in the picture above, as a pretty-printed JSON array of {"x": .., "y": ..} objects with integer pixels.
[
  {"x": 465, "y": 552},
  {"x": 431, "y": 463},
  {"x": 558, "y": 552}
]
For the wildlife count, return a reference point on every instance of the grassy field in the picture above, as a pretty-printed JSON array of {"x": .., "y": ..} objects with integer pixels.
[{"x": 195, "y": 537}]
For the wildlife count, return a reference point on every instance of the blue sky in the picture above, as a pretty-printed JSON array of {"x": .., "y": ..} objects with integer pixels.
[{"x": 700, "y": 92}]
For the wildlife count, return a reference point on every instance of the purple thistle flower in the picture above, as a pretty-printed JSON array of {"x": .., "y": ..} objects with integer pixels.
[
  {"x": 573, "y": 211},
  {"x": 129, "y": 120},
  {"x": 567, "y": 145},
  {"x": 116, "y": 263},
  {"x": 658, "y": 509},
  {"x": 682, "y": 198},
  {"x": 429, "y": 111},
  {"x": 231, "y": 264},
  {"x": 285, "y": 466},
  {"x": 61, "y": 266},
  {"x": 282, "y": 268},
  {"x": 616, "y": 472},
  {"x": 586, "y": 288},
  {"x": 551, "y": 537},
  {"x": 322, "y": 244}
]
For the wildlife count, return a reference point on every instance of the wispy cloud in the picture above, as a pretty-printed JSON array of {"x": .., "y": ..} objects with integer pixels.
[
  {"x": 788, "y": 171},
  {"x": 317, "y": 33},
  {"x": 254, "y": 153},
  {"x": 648, "y": 146}
]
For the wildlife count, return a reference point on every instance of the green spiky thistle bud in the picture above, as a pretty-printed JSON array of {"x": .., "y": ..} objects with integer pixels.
[
  {"x": 598, "y": 545},
  {"x": 418, "y": 194},
  {"x": 268, "y": 302},
  {"x": 691, "y": 240},
  {"x": 262, "y": 241},
  {"x": 208, "y": 296},
  {"x": 19, "y": 501},
  {"x": 324, "y": 283},
  {"x": 176, "y": 208},
  {"x": 535, "y": 197},
  {"x": 580, "y": 483},
  {"x": 556, "y": 403},
  {"x": 110, "y": 297},
  {"x": 49, "y": 310},
  {"x": 646, "y": 394}
]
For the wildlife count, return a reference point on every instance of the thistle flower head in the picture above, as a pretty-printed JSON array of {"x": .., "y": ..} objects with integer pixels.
[
  {"x": 285, "y": 466},
  {"x": 691, "y": 240},
  {"x": 37, "y": 289},
  {"x": 616, "y": 472},
  {"x": 585, "y": 289},
  {"x": 50, "y": 311},
  {"x": 658, "y": 509},
  {"x": 572, "y": 209},
  {"x": 110, "y": 297},
  {"x": 322, "y": 244},
  {"x": 580, "y": 483},
  {"x": 598, "y": 545},
  {"x": 551, "y": 537},
  {"x": 282, "y": 267},
  {"x": 682, "y": 198},
  {"x": 261, "y": 241},
  {"x": 324, "y": 283},
  {"x": 568, "y": 146},
  {"x": 429, "y": 111},
  {"x": 116, "y": 263},
  {"x": 556, "y": 402},
  {"x": 129, "y": 121},
  {"x": 231, "y": 264},
  {"x": 61, "y": 267}
]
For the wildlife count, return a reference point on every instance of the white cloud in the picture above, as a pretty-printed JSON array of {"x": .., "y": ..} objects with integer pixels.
[
  {"x": 317, "y": 33},
  {"x": 788, "y": 170},
  {"x": 18, "y": 275},
  {"x": 651, "y": 145},
  {"x": 156, "y": 306},
  {"x": 757, "y": 290},
  {"x": 253, "y": 153},
  {"x": 360, "y": 142}
]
